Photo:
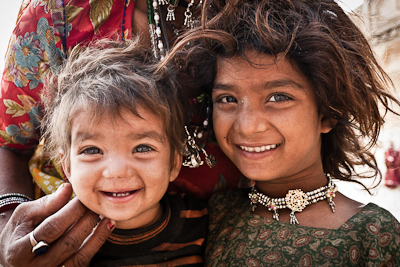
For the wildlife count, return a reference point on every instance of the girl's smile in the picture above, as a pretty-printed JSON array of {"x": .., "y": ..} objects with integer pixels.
[
  {"x": 256, "y": 152},
  {"x": 258, "y": 149}
]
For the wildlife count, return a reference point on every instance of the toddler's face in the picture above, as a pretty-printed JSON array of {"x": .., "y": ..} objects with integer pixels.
[
  {"x": 265, "y": 117},
  {"x": 121, "y": 166}
]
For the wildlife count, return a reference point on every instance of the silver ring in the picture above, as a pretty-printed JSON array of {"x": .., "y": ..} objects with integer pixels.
[
  {"x": 38, "y": 248},
  {"x": 32, "y": 239}
]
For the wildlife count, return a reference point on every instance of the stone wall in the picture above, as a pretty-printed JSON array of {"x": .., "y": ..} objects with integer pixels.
[{"x": 380, "y": 21}]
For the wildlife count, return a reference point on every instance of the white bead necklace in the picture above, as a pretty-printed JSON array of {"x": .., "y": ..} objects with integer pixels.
[{"x": 295, "y": 200}]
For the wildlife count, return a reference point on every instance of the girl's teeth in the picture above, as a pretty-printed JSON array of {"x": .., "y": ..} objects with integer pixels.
[
  {"x": 120, "y": 194},
  {"x": 258, "y": 148}
]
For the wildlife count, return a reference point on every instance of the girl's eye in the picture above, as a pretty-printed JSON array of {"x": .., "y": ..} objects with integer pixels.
[
  {"x": 226, "y": 99},
  {"x": 279, "y": 98},
  {"x": 92, "y": 151},
  {"x": 143, "y": 149}
]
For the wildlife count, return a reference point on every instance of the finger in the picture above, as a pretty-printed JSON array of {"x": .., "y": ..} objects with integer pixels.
[
  {"x": 55, "y": 225},
  {"x": 70, "y": 241},
  {"x": 59, "y": 221},
  {"x": 31, "y": 213},
  {"x": 92, "y": 244},
  {"x": 46, "y": 206},
  {"x": 28, "y": 215}
]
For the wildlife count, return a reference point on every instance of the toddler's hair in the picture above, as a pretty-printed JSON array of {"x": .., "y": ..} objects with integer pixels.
[
  {"x": 324, "y": 44},
  {"x": 103, "y": 79}
]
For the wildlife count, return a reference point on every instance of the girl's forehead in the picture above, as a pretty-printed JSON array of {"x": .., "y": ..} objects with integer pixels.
[{"x": 259, "y": 69}]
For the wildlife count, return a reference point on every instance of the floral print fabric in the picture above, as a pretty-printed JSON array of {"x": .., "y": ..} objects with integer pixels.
[
  {"x": 239, "y": 238},
  {"x": 45, "y": 31}
]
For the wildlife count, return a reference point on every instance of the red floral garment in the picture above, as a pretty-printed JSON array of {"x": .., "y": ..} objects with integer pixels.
[
  {"x": 45, "y": 31},
  {"x": 237, "y": 237}
]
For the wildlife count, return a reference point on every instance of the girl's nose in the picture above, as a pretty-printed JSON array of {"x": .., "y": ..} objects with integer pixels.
[{"x": 251, "y": 120}]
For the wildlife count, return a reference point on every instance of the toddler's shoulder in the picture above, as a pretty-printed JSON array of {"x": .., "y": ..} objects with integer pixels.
[{"x": 186, "y": 201}]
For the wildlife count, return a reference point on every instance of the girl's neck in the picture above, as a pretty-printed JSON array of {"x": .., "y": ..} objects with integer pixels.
[{"x": 280, "y": 186}]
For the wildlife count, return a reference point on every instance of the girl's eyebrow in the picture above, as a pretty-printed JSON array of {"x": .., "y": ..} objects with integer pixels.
[
  {"x": 285, "y": 82},
  {"x": 282, "y": 83}
]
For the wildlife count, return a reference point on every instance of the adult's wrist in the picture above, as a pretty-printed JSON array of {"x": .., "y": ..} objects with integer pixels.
[{"x": 10, "y": 201}]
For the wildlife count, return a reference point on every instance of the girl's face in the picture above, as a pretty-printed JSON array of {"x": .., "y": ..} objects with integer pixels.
[
  {"x": 121, "y": 166},
  {"x": 266, "y": 119}
]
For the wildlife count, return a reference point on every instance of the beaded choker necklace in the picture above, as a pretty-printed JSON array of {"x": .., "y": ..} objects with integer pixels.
[{"x": 295, "y": 200}]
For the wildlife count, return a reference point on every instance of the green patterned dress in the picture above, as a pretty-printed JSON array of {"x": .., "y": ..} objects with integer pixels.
[{"x": 239, "y": 238}]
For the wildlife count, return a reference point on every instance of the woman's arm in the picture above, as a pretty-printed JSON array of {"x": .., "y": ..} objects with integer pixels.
[{"x": 14, "y": 177}]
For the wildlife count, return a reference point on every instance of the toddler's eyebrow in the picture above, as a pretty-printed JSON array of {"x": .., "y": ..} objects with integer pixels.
[
  {"x": 81, "y": 136},
  {"x": 149, "y": 134}
]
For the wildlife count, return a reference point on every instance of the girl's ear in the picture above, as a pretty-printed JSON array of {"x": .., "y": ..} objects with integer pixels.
[
  {"x": 176, "y": 166},
  {"x": 327, "y": 124},
  {"x": 64, "y": 165}
]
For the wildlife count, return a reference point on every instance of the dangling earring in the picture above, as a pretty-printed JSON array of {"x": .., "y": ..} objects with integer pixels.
[
  {"x": 192, "y": 152},
  {"x": 188, "y": 16},
  {"x": 189, "y": 148},
  {"x": 171, "y": 10}
]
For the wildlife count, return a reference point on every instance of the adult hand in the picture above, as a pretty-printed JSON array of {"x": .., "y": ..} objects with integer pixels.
[{"x": 67, "y": 227}]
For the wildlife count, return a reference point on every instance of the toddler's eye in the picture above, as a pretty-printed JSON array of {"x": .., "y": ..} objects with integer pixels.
[
  {"x": 92, "y": 151},
  {"x": 143, "y": 149},
  {"x": 227, "y": 99},
  {"x": 279, "y": 98}
]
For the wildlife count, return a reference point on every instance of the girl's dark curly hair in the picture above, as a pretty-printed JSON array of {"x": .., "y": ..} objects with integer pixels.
[{"x": 328, "y": 48}]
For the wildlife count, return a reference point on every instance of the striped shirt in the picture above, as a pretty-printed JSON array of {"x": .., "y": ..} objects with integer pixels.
[{"x": 177, "y": 239}]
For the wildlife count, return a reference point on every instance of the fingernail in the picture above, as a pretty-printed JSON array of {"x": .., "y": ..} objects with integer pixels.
[
  {"x": 111, "y": 224},
  {"x": 59, "y": 188}
]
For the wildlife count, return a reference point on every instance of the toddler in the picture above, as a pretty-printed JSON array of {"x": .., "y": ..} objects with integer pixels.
[{"x": 118, "y": 127}]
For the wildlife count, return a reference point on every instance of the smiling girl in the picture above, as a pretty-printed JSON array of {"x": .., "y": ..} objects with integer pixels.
[{"x": 296, "y": 93}]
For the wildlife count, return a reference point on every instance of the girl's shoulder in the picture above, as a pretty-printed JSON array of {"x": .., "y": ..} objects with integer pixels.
[
  {"x": 373, "y": 219},
  {"x": 229, "y": 198}
]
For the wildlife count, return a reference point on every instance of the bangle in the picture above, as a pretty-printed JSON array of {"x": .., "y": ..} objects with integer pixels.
[
  {"x": 11, "y": 201},
  {"x": 14, "y": 195}
]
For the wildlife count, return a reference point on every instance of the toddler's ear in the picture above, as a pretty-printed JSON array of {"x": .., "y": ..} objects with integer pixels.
[
  {"x": 64, "y": 164},
  {"x": 176, "y": 166},
  {"x": 327, "y": 124}
]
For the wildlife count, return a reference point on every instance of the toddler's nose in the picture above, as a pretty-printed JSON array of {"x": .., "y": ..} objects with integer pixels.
[{"x": 118, "y": 167}]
